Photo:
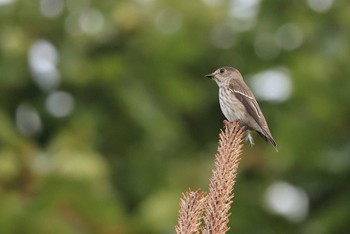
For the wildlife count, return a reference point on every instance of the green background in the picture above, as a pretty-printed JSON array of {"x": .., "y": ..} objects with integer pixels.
[{"x": 132, "y": 122}]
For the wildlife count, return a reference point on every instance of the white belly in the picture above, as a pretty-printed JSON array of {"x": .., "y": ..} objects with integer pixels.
[{"x": 232, "y": 108}]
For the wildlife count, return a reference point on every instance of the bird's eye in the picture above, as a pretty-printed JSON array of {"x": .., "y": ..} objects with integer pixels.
[{"x": 222, "y": 70}]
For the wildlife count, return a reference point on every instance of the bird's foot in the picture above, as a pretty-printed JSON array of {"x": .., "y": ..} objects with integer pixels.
[{"x": 249, "y": 138}]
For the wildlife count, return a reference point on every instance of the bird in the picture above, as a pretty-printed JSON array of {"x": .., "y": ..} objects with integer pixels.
[{"x": 237, "y": 102}]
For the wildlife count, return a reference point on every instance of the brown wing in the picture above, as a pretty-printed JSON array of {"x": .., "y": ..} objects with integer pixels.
[{"x": 246, "y": 97}]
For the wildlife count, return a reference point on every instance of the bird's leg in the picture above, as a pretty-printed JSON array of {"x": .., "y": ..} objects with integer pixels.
[{"x": 249, "y": 138}]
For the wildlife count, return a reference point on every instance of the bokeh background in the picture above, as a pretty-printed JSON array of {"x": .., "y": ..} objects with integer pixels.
[{"x": 106, "y": 116}]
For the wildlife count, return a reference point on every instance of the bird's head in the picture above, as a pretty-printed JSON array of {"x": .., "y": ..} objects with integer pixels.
[{"x": 223, "y": 75}]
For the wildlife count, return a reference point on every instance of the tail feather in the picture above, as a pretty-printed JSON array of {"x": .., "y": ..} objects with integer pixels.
[{"x": 268, "y": 137}]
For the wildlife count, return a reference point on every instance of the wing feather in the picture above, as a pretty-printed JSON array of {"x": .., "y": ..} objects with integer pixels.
[{"x": 246, "y": 97}]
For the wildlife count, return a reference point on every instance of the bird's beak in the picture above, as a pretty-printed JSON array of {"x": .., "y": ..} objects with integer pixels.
[{"x": 209, "y": 76}]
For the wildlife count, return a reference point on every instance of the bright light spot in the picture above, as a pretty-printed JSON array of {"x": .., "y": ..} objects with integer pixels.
[
  {"x": 60, "y": 104},
  {"x": 222, "y": 36},
  {"x": 287, "y": 200},
  {"x": 28, "y": 120},
  {"x": 43, "y": 59},
  {"x": 265, "y": 47},
  {"x": 91, "y": 21},
  {"x": 42, "y": 55},
  {"x": 289, "y": 37},
  {"x": 168, "y": 21},
  {"x": 272, "y": 85},
  {"x": 320, "y": 5},
  {"x": 51, "y": 8},
  {"x": 6, "y": 2},
  {"x": 47, "y": 80},
  {"x": 244, "y": 9}
]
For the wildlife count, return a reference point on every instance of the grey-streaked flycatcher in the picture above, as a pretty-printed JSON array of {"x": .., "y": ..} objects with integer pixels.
[{"x": 237, "y": 102}]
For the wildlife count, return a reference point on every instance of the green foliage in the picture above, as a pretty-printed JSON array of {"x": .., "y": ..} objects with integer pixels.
[{"x": 132, "y": 73}]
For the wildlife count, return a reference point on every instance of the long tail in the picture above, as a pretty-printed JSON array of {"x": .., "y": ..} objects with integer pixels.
[{"x": 268, "y": 137}]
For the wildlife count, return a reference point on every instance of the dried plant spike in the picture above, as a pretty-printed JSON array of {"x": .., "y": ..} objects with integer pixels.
[
  {"x": 191, "y": 211},
  {"x": 221, "y": 185}
]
